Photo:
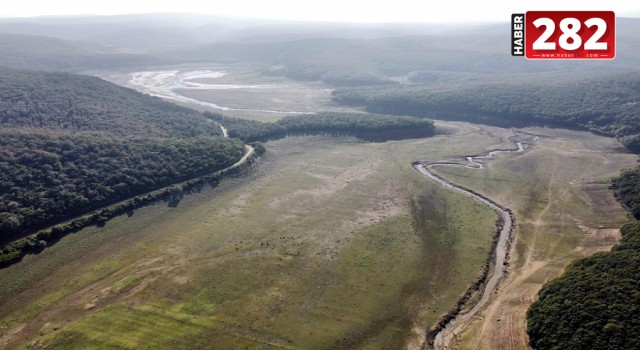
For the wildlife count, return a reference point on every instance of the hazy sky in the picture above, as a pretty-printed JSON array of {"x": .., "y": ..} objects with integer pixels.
[{"x": 322, "y": 10}]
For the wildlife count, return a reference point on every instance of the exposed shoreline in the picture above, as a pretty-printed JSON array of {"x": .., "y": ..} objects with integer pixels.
[
  {"x": 495, "y": 267},
  {"x": 166, "y": 84}
]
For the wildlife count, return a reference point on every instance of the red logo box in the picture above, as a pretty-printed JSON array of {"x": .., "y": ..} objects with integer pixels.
[{"x": 570, "y": 35}]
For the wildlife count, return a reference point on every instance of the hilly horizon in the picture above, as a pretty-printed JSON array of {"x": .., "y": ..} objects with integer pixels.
[{"x": 194, "y": 181}]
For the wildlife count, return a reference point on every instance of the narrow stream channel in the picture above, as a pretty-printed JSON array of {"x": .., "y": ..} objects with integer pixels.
[
  {"x": 163, "y": 84},
  {"x": 449, "y": 330},
  {"x": 167, "y": 84}
]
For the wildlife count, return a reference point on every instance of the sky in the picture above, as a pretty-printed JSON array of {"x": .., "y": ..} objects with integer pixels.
[{"x": 321, "y": 10}]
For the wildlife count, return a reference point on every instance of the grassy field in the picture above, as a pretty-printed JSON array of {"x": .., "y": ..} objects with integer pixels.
[
  {"x": 559, "y": 191},
  {"x": 330, "y": 243}
]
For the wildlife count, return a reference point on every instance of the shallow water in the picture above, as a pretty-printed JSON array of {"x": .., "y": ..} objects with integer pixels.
[{"x": 167, "y": 84}]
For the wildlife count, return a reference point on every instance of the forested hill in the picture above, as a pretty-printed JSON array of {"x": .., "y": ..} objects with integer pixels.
[
  {"x": 47, "y": 53},
  {"x": 70, "y": 144},
  {"x": 403, "y": 54},
  {"x": 594, "y": 305},
  {"x": 64, "y": 101},
  {"x": 606, "y": 104}
]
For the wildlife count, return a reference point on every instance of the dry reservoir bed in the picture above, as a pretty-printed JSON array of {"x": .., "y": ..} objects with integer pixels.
[{"x": 333, "y": 244}]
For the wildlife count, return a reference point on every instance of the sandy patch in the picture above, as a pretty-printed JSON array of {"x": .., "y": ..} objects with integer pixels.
[{"x": 10, "y": 336}]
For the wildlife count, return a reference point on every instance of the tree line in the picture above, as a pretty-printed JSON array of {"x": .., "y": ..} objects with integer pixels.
[
  {"x": 594, "y": 304},
  {"x": 70, "y": 102},
  {"x": 70, "y": 144},
  {"x": 605, "y": 104},
  {"x": 48, "y": 177},
  {"x": 627, "y": 190},
  {"x": 366, "y": 126},
  {"x": 35, "y": 243}
]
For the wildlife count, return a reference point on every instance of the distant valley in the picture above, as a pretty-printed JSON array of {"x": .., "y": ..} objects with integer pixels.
[{"x": 178, "y": 181}]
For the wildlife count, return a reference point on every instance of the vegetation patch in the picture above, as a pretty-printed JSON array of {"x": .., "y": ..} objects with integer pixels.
[
  {"x": 70, "y": 144},
  {"x": 603, "y": 104},
  {"x": 594, "y": 305},
  {"x": 627, "y": 190},
  {"x": 366, "y": 126},
  {"x": 558, "y": 192},
  {"x": 259, "y": 265},
  {"x": 47, "y": 177},
  {"x": 71, "y": 102}
]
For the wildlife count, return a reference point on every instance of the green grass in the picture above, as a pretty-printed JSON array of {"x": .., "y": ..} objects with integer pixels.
[
  {"x": 552, "y": 189},
  {"x": 334, "y": 244},
  {"x": 559, "y": 192},
  {"x": 126, "y": 327}
]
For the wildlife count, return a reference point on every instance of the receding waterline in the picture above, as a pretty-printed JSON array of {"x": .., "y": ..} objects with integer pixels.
[{"x": 167, "y": 84}]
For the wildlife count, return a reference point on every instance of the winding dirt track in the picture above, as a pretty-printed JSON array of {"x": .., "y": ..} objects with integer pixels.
[{"x": 447, "y": 329}]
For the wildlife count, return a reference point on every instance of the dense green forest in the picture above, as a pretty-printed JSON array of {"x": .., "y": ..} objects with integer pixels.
[
  {"x": 70, "y": 144},
  {"x": 627, "y": 189},
  {"x": 46, "y": 177},
  {"x": 370, "y": 127},
  {"x": 594, "y": 305},
  {"x": 605, "y": 104},
  {"x": 248, "y": 130},
  {"x": 366, "y": 126},
  {"x": 63, "y": 101}
]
